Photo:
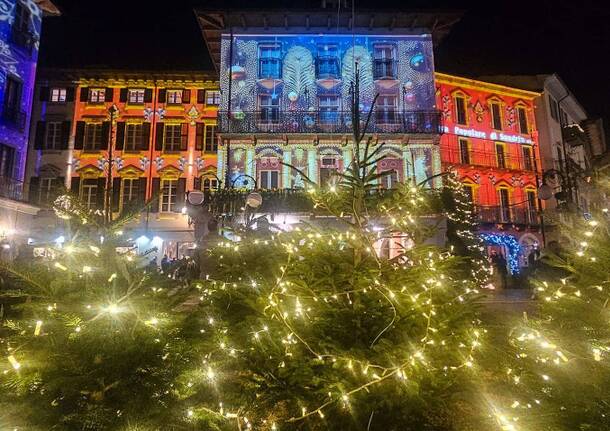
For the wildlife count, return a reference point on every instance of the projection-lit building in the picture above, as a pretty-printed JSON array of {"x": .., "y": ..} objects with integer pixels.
[
  {"x": 286, "y": 80},
  {"x": 490, "y": 141},
  {"x": 20, "y": 29}
]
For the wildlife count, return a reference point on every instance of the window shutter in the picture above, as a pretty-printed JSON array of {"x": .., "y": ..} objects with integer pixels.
[
  {"x": 120, "y": 135},
  {"x": 145, "y": 142},
  {"x": 33, "y": 191},
  {"x": 70, "y": 94},
  {"x": 84, "y": 94},
  {"x": 123, "y": 95},
  {"x": 79, "y": 137},
  {"x": 65, "y": 134},
  {"x": 180, "y": 194},
  {"x": 200, "y": 96},
  {"x": 186, "y": 95},
  {"x": 106, "y": 134},
  {"x": 75, "y": 186},
  {"x": 148, "y": 93},
  {"x": 156, "y": 186},
  {"x": 116, "y": 194},
  {"x": 184, "y": 137},
  {"x": 162, "y": 95},
  {"x": 99, "y": 193},
  {"x": 159, "y": 137},
  {"x": 41, "y": 128},
  {"x": 142, "y": 190},
  {"x": 197, "y": 184},
  {"x": 109, "y": 94},
  {"x": 199, "y": 136},
  {"x": 44, "y": 94}
]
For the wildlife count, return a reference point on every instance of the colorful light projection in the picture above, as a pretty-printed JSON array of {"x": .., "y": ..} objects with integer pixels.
[{"x": 513, "y": 248}]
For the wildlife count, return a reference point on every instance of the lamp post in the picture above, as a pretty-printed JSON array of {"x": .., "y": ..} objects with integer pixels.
[{"x": 113, "y": 111}]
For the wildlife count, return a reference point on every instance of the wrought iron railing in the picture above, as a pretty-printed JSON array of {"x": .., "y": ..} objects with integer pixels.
[
  {"x": 508, "y": 215},
  {"x": 11, "y": 188},
  {"x": 328, "y": 121},
  {"x": 14, "y": 118},
  {"x": 458, "y": 156},
  {"x": 384, "y": 68}
]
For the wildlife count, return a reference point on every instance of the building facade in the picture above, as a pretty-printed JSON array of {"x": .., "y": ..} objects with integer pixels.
[
  {"x": 286, "y": 82},
  {"x": 156, "y": 132},
  {"x": 490, "y": 141},
  {"x": 20, "y": 29}
]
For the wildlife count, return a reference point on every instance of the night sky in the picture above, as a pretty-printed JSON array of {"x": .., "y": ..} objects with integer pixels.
[{"x": 494, "y": 37}]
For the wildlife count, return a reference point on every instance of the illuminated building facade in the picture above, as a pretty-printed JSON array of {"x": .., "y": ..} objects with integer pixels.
[
  {"x": 157, "y": 129},
  {"x": 490, "y": 141},
  {"x": 286, "y": 80},
  {"x": 20, "y": 27}
]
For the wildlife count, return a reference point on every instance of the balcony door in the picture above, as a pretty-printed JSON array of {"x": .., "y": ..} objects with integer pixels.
[
  {"x": 504, "y": 200},
  {"x": 269, "y": 107},
  {"x": 386, "y": 109},
  {"x": 329, "y": 109},
  {"x": 329, "y": 166},
  {"x": 268, "y": 179},
  {"x": 385, "y": 57}
]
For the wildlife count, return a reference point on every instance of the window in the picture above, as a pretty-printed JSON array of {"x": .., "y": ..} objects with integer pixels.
[
  {"x": 212, "y": 97},
  {"x": 532, "y": 205},
  {"x": 168, "y": 195},
  {"x": 22, "y": 17},
  {"x": 460, "y": 110},
  {"x": 136, "y": 96},
  {"x": 269, "y": 106},
  {"x": 500, "y": 155},
  {"x": 97, "y": 95},
  {"x": 522, "y": 114},
  {"x": 564, "y": 117},
  {"x": 469, "y": 192},
  {"x": 464, "y": 151},
  {"x": 173, "y": 138},
  {"x": 133, "y": 137},
  {"x": 390, "y": 179},
  {"x": 45, "y": 190},
  {"x": 211, "y": 144},
  {"x": 93, "y": 137},
  {"x": 58, "y": 95},
  {"x": 12, "y": 99},
  {"x": 384, "y": 62},
  {"x": 385, "y": 109},
  {"x": 174, "y": 97},
  {"x": 7, "y": 161},
  {"x": 327, "y": 62},
  {"x": 329, "y": 109},
  {"x": 504, "y": 204},
  {"x": 328, "y": 169},
  {"x": 209, "y": 183},
  {"x": 268, "y": 179},
  {"x": 129, "y": 191},
  {"x": 559, "y": 158},
  {"x": 53, "y": 136},
  {"x": 528, "y": 161},
  {"x": 496, "y": 116},
  {"x": 553, "y": 108},
  {"x": 270, "y": 65},
  {"x": 89, "y": 192}
]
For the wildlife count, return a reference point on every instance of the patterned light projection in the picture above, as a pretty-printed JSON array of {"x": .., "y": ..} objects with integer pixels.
[{"x": 19, "y": 41}]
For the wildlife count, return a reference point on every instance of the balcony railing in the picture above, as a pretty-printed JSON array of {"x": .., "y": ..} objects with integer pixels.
[
  {"x": 14, "y": 118},
  {"x": 328, "y": 121},
  {"x": 384, "y": 68},
  {"x": 509, "y": 215},
  {"x": 456, "y": 156},
  {"x": 11, "y": 188}
]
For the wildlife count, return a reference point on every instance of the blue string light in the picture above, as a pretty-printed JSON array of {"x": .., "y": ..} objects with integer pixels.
[{"x": 511, "y": 243}]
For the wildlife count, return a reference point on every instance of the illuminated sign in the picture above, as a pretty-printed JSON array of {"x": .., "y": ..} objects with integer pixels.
[{"x": 473, "y": 133}]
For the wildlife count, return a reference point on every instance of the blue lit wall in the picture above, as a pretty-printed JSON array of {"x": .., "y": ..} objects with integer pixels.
[
  {"x": 299, "y": 85},
  {"x": 18, "y": 61}
]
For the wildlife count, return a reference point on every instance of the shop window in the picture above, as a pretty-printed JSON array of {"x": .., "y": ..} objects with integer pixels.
[{"x": 268, "y": 179}]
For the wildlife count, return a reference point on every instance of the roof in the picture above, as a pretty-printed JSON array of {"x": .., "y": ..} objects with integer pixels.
[
  {"x": 123, "y": 75},
  {"x": 514, "y": 91},
  {"x": 214, "y": 23}
]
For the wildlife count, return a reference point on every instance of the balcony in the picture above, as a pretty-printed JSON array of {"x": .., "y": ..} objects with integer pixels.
[
  {"x": 11, "y": 188},
  {"x": 328, "y": 121},
  {"x": 507, "y": 215},
  {"x": 14, "y": 117},
  {"x": 23, "y": 38},
  {"x": 455, "y": 156},
  {"x": 384, "y": 68}
]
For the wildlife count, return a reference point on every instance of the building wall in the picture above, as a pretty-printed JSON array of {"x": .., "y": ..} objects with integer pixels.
[{"x": 494, "y": 153}]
